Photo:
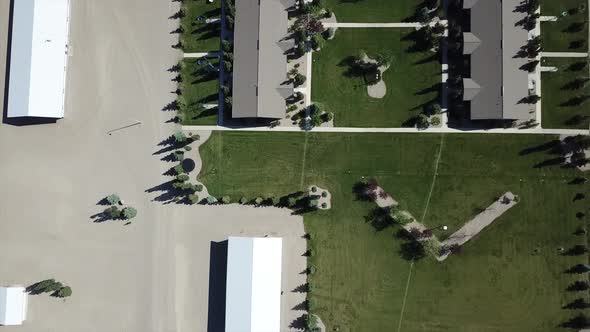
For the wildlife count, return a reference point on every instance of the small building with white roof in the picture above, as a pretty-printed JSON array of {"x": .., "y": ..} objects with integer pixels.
[
  {"x": 13, "y": 305},
  {"x": 253, "y": 291},
  {"x": 38, "y": 58}
]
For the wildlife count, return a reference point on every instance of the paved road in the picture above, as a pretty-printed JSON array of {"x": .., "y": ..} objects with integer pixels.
[
  {"x": 538, "y": 131},
  {"x": 564, "y": 54}
]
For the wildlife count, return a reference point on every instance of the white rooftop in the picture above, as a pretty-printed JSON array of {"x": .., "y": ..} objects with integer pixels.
[
  {"x": 13, "y": 305},
  {"x": 253, "y": 293},
  {"x": 38, "y": 58}
]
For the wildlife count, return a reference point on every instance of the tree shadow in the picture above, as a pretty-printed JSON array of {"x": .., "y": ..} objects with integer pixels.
[
  {"x": 379, "y": 218},
  {"x": 579, "y": 321},
  {"x": 304, "y": 288},
  {"x": 299, "y": 323}
]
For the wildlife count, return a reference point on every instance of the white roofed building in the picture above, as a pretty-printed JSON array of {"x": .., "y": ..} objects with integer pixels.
[
  {"x": 38, "y": 58},
  {"x": 13, "y": 305},
  {"x": 253, "y": 293}
]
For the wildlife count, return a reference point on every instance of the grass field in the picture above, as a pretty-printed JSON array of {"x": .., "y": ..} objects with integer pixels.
[
  {"x": 411, "y": 84},
  {"x": 496, "y": 284},
  {"x": 198, "y": 36},
  {"x": 372, "y": 10},
  {"x": 556, "y": 94},
  {"x": 555, "y": 36},
  {"x": 198, "y": 86}
]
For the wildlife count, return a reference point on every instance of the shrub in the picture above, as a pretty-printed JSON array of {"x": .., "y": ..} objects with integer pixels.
[
  {"x": 259, "y": 200},
  {"x": 299, "y": 79},
  {"x": 41, "y": 286},
  {"x": 224, "y": 90},
  {"x": 227, "y": 66},
  {"x": 129, "y": 213},
  {"x": 113, "y": 212},
  {"x": 193, "y": 198},
  {"x": 324, "y": 194},
  {"x": 64, "y": 292},
  {"x": 291, "y": 108},
  {"x": 179, "y": 137},
  {"x": 53, "y": 287},
  {"x": 435, "y": 121},
  {"x": 113, "y": 199},
  {"x": 311, "y": 269},
  {"x": 198, "y": 188},
  {"x": 275, "y": 201},
  {"x": 314, "y": 189},
  {"x": 324, "y": 205},
  {"x": 327, "y": 117},
  {"x": 225, "y": 200},
  {"x": 243, "y": 200},
  {"x": 178, "y": 155},
  {"x": 188, "y": 148}
]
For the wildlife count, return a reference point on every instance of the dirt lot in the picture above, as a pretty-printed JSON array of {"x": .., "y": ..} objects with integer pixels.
[{"x": 152, "y": 275}]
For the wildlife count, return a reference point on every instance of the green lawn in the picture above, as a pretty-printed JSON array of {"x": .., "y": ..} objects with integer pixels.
[
  {"x": 382, "y": 11},
  {"x": 497, "y": 283},
  {"x": 198, "y": 86},
  {"x": 410, "y": 84},
  {"x": 556, "y": 94},
  {"x": 555, "y": 36},
  {"x": 198, "y": 36}
]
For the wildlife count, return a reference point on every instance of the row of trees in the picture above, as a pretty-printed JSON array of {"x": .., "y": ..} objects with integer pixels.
[{"x": 56, "y": 288}]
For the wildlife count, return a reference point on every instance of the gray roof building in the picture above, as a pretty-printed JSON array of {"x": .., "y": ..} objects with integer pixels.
[
  {"x": 260, "y": 84},
  {"x": 497, "y": 84}
]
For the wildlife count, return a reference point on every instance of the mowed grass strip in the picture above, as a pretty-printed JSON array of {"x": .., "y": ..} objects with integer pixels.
[
  {"x": 381, "y": 11},
  {"x": 198, "y": 36},
  {"x": 413, "y": 79},
  {"x": 561, "y": 36},
  {"x": 559, "y": 106},
  {"x": 497, "y": 283},
  {"x": 200, "y": 85}
]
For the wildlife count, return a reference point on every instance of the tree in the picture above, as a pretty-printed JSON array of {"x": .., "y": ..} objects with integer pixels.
[
  {"x": 291, "y": 201},
  {"x": 113, "y": 212},
  {"x": 227, "y": 46},
  {"x": 113, "y": 199},
  {"x": 212, "y": 200},
  {"x": 318, "y": 41},
  {"x": 64, "y": 292},
  {"x": 225, "y": 200},
  {"x": 179, "y": 137},
  {"x": 179, "y": 169},
  {"x": 259, "y": 200},
  {"x": 178, "y": 155},
  {"x": 422, "y": 121},
  {"x": 53, "y": 287},
  {"x": 182, "y": 178},
  {"x": 129, "y": 213},
  {"x": 243, "y": 200},
  {"x": 227, "y": 66},
  {"x": 400, "y": 216}
]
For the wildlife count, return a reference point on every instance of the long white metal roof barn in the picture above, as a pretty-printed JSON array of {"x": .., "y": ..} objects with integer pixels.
[
  {"x": 38, "y": 58},
  {"x": 253, "y": 293},
  {"x": 13, "y": 305}
]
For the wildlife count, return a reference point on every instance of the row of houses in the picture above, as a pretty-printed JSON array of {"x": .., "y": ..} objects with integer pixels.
[{"x": 39, "y": 47}]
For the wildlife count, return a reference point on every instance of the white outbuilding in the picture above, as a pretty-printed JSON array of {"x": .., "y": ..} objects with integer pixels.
[
  {"x": 13, "y": 305},
  {"x": 253, "y": 293},
  {"x": 38, "y": 58}
]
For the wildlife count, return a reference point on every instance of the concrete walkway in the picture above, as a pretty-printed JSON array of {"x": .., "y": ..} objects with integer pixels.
[
  {"x": 479, "y": 222},
  {"x": 202, "y": 55},
  {"x": 547, "y": 69},
  {"x": 538, "y": 131},
  {"x": 548, "y": 18},
  {"x": 564, "y": 54}
]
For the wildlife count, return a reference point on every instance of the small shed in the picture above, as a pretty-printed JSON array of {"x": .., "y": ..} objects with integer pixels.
[{"x": 13, "y": 305}]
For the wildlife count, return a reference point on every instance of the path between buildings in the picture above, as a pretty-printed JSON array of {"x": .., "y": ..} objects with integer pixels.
[
  {"x": 564, "y": 54},
  {"x": 537, "y": 131}
]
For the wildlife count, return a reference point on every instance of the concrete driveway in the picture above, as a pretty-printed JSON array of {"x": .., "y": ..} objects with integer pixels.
[{"x": 152, "y": 275}]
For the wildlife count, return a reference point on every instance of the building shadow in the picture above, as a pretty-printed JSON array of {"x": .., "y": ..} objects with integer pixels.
[
  {"x": 217, "y": 286},
  {"x": 20, "y": 121}
]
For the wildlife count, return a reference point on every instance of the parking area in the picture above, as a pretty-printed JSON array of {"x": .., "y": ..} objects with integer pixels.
[{"x": 153, "y": 274}]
